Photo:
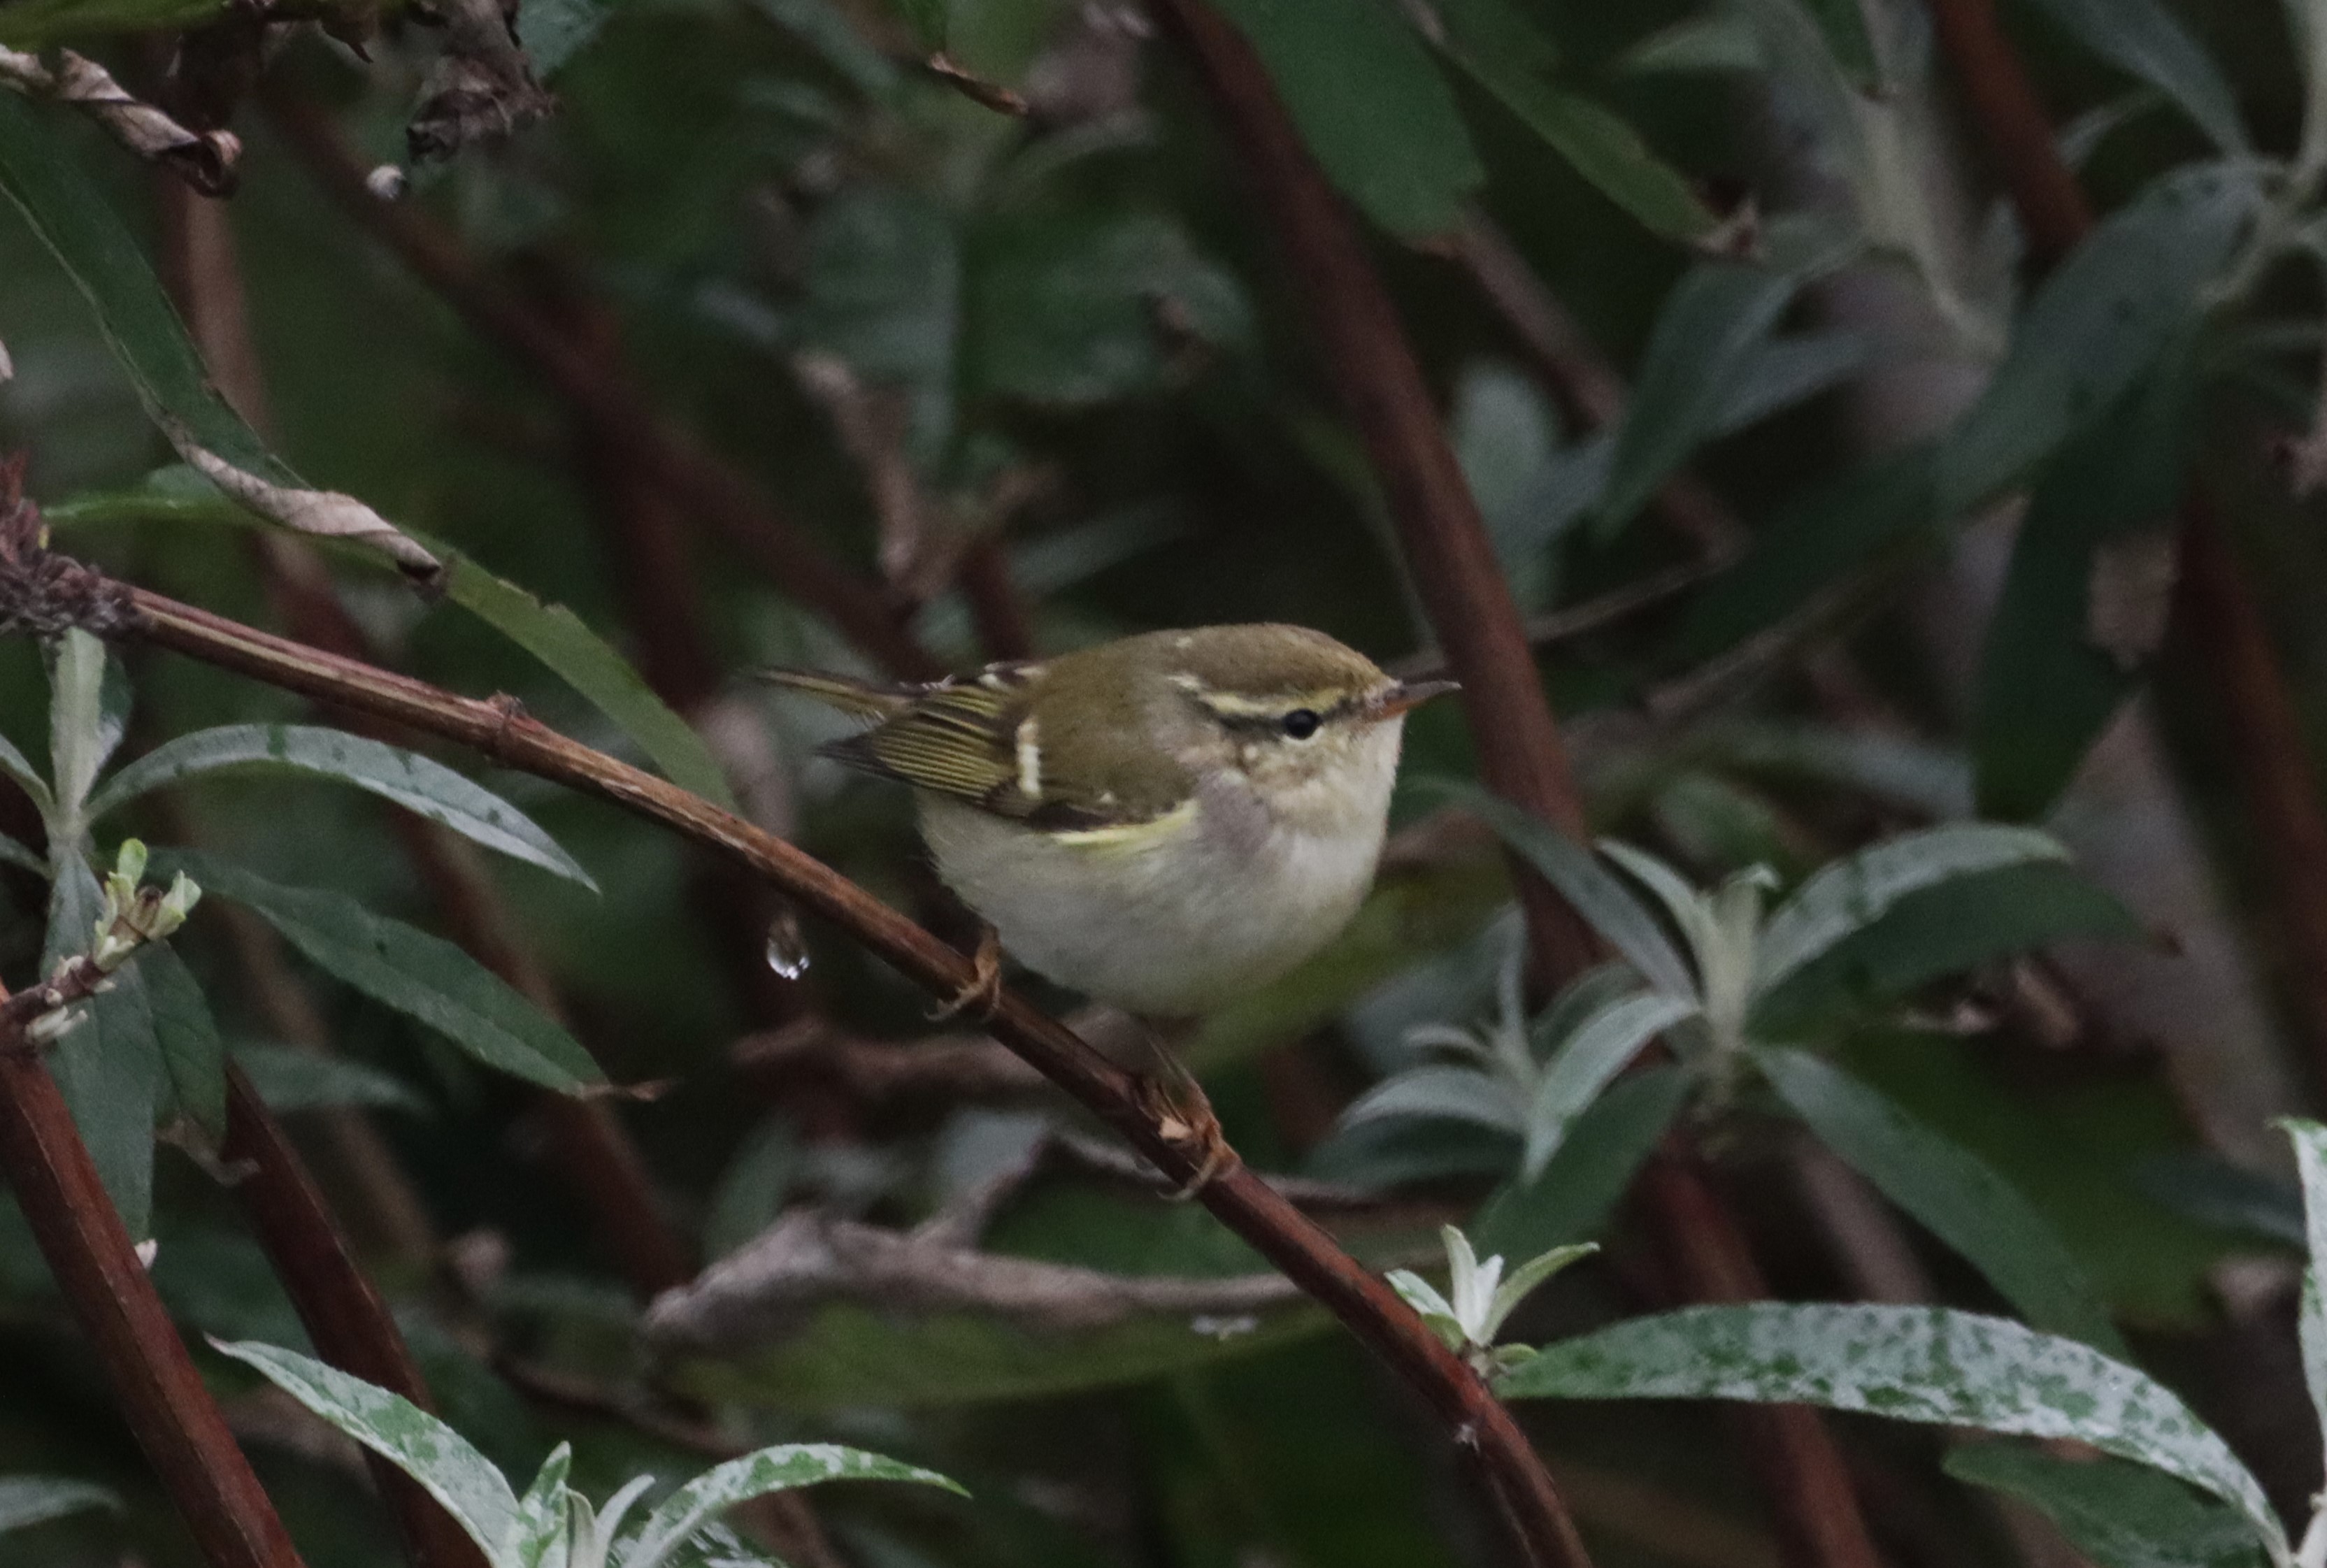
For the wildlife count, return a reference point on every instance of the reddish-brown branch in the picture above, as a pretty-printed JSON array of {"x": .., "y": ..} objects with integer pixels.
[
  {"x": 2215, "y": 607},
  {"x": 89, "y": 1252},
  {"x": 602, "y": 395},
  {"x": 2004, "y": 105},
  {"x": 1445, "y": 543},
  {"x": 1482, "y": 1428},
  {"x": 1792, "y": 1457},
  {"x": 1469, "y": 606},
  {"x": 344, "y": 1316}
]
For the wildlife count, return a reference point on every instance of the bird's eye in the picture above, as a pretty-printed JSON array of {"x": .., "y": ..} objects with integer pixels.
[{"x": 1302, "y": 722}]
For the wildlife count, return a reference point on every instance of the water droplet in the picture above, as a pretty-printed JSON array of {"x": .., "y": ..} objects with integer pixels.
[{"x": 787, "y": 948}]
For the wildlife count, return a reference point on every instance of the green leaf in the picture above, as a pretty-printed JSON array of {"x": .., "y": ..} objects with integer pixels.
[
  {"x": 1922, "y": 1363},
  {"x": 1594, "y": 891},
  {"x": 2085, "y": 603},
  {"x": 425, "y": 788},
  {"x": 771, "y": 1470},
  {"x": 14, "y": 763},
  {"x": 1453, "y": 1092},
  {"x": 82, "y": 734},
  {"x": 1504, "y": 53},
  {"x": 14, "y": 853},
  {"x": 187, "y": 1036},
  {"x": 1586, "y": 1063},
  {"x": 2119, "y": 1515},
  {"x": 290, "y": 1079},
  {"x": 109, "y": 1065},
  {"x": 2310, "y": 1159},
  {"x": 410, "y": 971},
  {"x": 1852, "y": 894},
  {"x": 2102, "y": 318},
  {"x": 1591, "y": 1169},
  {"x": 1710, "y": 327},
  {"x": 415, "y": 1441},
  {"x": 29, "y": 1500},
  {"x": 554, "y": 32},
  {"x": 107, "y": 264},
  {"x": 2146, "y": 41},
  {"x": 538, "y": 1528},
  {"x": 1950, "y": 1190},
  {"x": 1947, "y": 930},
  {"x": 110, "y": 269},
  {"x": 1371, "y": 106},
  {"x": 580, "y": 658}
]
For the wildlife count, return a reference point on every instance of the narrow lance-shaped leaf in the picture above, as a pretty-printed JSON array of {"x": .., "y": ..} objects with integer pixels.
[
  {"x": 1504, "y": 53},
  {"x": 536, "y": 1530},
  {"x": 1710, "y": 325},
  {"x": 1854, "y": 893},
  {"x": 2311, "y": 1160},
  {"x": 556, "y": 637},
  {"x": 1587, "y": 1064},
  {"x": 425, "y": 788},
  {"x": 14, "y": 763},
  {"x": 411, "y": 972},
  {"x": 1946, "y": 1187},
  {"x": 771, "y": 1470},
  {"x": 1458, "y": 1094},
  {"x": 1598, "y": 896},
  {"x": 108, "y": 1065},
  {"x": 29, "y": 1500},
  {"x": 1370, "y": 105},
  {"x": 1920, "y": 1364},
  {"x": 1604, "y": 1148},
  {"x": 82, "y": 733},
  {"x": 2085, "y": 603},
  {"x": 2100, "y": 319},
  {"x": 187, "y": 1036},
  {"x": 440, "y": 1458},
  {"x": 2119, "y": 1515},
  {"x": 2146, "y": 40},
  {"x": 107, "y": 264}
]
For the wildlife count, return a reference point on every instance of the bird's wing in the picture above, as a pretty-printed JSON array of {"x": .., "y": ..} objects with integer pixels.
[{"x": 973, "y": 741}]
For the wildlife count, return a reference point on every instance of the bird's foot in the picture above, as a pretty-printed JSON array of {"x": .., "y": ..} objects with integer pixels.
[
  {"x": 983, "y": 994},
  {"x": 1186, "y": 1121}
]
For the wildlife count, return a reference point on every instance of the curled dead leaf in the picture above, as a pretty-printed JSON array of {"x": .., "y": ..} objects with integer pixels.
[{"x": 326, "y": 514}]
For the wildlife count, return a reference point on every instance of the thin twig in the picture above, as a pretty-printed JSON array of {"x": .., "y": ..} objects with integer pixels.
[
  {"x": 1127, "y": 1104},
  {"x": 89, "y": 1252}
]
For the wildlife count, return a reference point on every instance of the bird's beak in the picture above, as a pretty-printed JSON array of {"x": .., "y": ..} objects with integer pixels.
[{"x": 1407, "y": 693}]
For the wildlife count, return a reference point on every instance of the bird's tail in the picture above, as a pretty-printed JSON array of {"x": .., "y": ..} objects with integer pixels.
[{"x": 865, "y": 699}]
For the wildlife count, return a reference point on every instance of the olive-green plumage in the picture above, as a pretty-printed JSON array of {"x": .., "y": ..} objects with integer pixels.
[
  {"x": 1160, "y": 822},
  {"x": 1113, "y": 719}
]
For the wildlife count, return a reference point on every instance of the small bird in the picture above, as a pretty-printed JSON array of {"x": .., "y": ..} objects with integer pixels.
[{"x": 1161, "y": 822}]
